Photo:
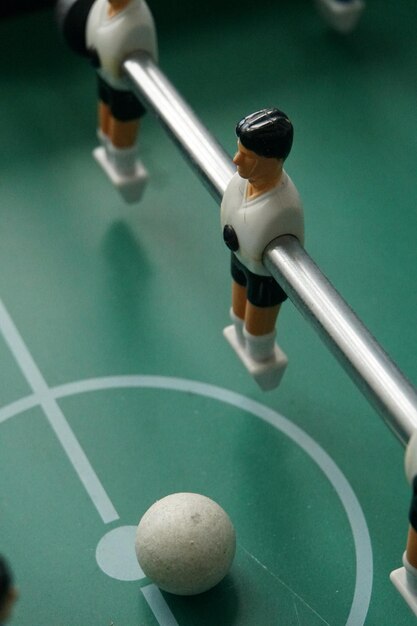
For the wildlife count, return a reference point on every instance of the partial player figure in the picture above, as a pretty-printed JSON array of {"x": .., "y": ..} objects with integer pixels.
[
  {"x": 405, "y": 578},
  {"x": 8, "y": 591},
  {"x": 108, "y": 31},
  {"x": 341, "y": 15},
  {"x": 259, "y": 204},
  {"x": 115, "y": 29}
]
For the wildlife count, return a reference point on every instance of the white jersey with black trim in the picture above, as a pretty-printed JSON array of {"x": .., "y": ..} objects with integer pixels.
[
  {"x": 259, "y": 220},
  {"x": 115, "y": 37}
]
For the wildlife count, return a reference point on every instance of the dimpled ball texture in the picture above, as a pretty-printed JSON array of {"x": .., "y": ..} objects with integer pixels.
[{"x": 185, "y": 543}]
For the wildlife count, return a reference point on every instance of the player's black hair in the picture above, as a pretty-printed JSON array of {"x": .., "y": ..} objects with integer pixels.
[
  {"x": 6, "y": 580},
  {"x": 268, "y": 133}
]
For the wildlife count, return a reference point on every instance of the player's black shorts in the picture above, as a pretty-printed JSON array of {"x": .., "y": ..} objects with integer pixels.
[
  {"x": 263, "y": 291},
  {"x": 124, "y": 106}
]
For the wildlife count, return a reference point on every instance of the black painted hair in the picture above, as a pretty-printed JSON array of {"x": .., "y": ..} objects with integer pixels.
[
  {"x": 6, "y": 580},
  {"x": 268, "y": 133}
]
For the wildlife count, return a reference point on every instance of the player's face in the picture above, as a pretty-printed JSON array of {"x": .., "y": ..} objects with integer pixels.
[
  {"x": 247, "y": 161},
  {"x": 117, "y": 5}
]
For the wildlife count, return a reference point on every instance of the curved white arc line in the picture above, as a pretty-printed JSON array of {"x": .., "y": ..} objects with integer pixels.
[
  {"x": 20, "y": 406},
  {"x": 362, "y": 542},
  {"x": 361, "y": 537}
]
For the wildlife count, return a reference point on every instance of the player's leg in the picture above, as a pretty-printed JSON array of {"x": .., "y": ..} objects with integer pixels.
[
  {"x": 261, "y": 320},
  {"x": 119, "y": 118},
  {"x": 265, "y": 297},
  {"x": 238, "y": 300},
  {"x": 237, "y": 311},
  {"x": 239, "y": 297},
  {"x": 123, "y": 148},
  {"x": 103, "y": 112},
  {"x": 256, "y": 301},
  {"x": 411, "y": 551},
  {"x": 123, "y": 134},
  {"x": 124, "y": 125},
  {"x": 260, "y": 331},
  {"x": 103, "y": 127}
]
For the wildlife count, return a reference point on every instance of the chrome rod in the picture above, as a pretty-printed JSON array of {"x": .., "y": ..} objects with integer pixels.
[
  {"x": 362, "y": 357},
  {"x": 369, "y": 366},
  {"x": 156, "y": 93}
]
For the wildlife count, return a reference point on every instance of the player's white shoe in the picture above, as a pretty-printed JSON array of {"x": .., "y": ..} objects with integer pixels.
[
  {"x": 130, "y": 184},
  {"x": 342, "y": 16},
  {"x": 405, "y": 580},
  {"x": 267, "y": 373}
]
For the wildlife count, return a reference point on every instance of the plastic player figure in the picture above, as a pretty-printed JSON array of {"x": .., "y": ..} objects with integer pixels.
[
  {"x": 8, "y": 592},
  {"x": 342, "y": 15},
  {"x": 410, "y": 556},
  {"x": 405, "y": 578},
  {"x": 259, "y": 204},
  {"x": 115, "y": 29}
]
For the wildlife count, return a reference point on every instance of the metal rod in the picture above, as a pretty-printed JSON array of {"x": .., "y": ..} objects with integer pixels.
[
  {"x": 362, "y": 357},
  {"x": 156, "y": 93}
]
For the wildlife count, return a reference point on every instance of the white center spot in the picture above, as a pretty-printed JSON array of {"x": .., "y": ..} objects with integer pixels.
[{"x": 116, "y": 556}]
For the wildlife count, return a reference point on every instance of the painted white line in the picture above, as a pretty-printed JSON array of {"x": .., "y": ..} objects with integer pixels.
[
  {"x": 357, "y": 521},
  {"x": 56, "y": 418},
  {"x": 20, "y": 406},
  {"x": 158, "y": 606},
  {"x": 351, "y": 505}
]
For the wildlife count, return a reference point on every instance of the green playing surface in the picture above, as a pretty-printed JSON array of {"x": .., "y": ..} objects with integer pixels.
[{"x": 117, "y": 387}]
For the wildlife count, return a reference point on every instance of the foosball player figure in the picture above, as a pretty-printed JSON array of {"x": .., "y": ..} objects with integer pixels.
[
  {"x": 115, "y": 29},
  {"x": 405, "y": 578},
  {"x": 8, "y": 592},
  {"x": 260, "y": 203}
]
